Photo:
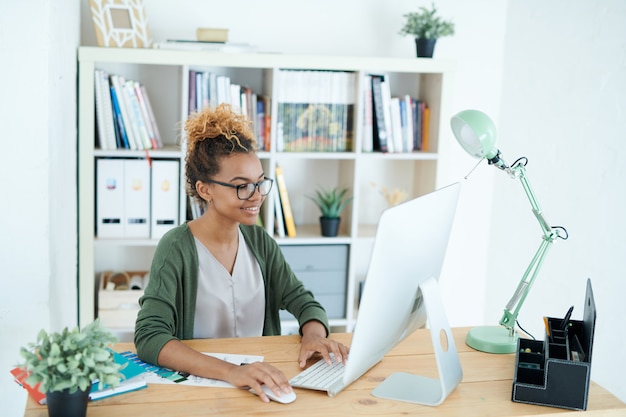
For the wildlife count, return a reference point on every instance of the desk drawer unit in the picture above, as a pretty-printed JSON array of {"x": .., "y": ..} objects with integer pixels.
[{"x": 324, "y": 270}]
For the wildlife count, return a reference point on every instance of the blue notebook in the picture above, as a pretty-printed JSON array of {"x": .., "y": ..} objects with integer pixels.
[{"x": 132, "y": 380}]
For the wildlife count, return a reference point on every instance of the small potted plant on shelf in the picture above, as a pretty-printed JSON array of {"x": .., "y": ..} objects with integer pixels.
[
  {"x": 331, "y": 203},
  {"x": 65, "y": 364},
  {"x": 426, "y": 27}
]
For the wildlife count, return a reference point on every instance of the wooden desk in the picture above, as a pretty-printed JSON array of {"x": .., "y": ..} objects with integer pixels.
[{"x": 485, "y": 390}]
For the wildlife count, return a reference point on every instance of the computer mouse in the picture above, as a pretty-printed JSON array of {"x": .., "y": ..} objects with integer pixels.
[{"x": 283, "y": 399}]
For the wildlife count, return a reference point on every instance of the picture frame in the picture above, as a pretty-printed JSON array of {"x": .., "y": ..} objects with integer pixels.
[{"x": 120, "y": 23}]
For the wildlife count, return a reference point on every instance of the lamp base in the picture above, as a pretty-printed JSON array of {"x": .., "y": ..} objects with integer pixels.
[{"x": 492, "y": 339}]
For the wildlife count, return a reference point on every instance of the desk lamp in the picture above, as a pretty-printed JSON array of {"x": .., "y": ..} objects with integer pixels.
[{"x": 476, "y": 133}]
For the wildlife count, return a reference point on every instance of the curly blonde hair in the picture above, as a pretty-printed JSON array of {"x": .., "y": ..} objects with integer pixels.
[{"x": 212, "y": 134}]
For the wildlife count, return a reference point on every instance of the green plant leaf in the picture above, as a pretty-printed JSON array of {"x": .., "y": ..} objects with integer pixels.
[
  {"x": 425, "y": 24},
  {"x": 331, "y": 202},
  {"x": 71, "y": 359}
]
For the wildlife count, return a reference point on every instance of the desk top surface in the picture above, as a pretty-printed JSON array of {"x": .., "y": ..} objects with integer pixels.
[{"x": 484, "y": 391}]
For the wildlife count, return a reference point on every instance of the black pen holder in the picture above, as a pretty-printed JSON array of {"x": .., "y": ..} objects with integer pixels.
[{"x": 556, "y": 372}]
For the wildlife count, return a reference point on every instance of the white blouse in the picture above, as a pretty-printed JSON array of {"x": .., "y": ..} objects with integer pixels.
[{"x": 229, "y": 306}]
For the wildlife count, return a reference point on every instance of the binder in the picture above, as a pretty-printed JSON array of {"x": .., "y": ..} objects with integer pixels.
[
  {"x": 165, "y": 196},
  {"x": 136, "y": 198},
  {"x": 110, "y": 198}
]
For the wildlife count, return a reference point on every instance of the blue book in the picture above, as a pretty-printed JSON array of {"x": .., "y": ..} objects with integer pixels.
[
  {"x": 119, "y": 123},
  {"x": 132, "y": 379}
]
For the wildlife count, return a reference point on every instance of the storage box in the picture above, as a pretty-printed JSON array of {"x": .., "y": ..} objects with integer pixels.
[
  {"x": 556, "y": 372},
  {"x": 212, "y": 35},
  {"x": 117, "y": 308}
]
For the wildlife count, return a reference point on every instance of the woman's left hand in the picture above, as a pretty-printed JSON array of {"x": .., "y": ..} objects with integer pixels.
[{"x": 314, "y": 341}]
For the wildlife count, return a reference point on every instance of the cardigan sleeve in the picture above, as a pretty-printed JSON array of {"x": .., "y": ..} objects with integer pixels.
[{"x": 169, "y": 299}]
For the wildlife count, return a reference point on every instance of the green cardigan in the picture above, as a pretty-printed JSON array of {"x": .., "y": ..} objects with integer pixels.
[{"x": 169, "y": 300}]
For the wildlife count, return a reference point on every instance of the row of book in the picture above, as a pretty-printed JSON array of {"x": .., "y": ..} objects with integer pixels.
[
  {"x": 136, "y": 198},
  {"x": 392, "y": 124},
  {"x": 315, "y": 111},
  {"x": 208, "y": 89},
  {"x": 124, "y": 115}
]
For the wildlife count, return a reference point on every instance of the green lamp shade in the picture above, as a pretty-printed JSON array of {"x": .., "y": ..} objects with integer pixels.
[{"x": 476, "y": 133}]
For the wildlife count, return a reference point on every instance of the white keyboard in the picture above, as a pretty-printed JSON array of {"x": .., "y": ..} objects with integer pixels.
[{"x": 319, "y": 376}]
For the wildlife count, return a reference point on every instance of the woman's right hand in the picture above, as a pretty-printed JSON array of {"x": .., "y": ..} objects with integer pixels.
[{"x": 255, "y": 374}]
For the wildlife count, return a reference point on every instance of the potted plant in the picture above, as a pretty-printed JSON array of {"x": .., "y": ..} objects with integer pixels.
[
  {"x": 66, "y": 363},
  {"x": 331, "y": 203},
  {"x": 426, "y": 27}
]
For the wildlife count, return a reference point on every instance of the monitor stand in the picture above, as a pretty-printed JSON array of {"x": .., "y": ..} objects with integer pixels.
[{"x": 418, "y": 389}]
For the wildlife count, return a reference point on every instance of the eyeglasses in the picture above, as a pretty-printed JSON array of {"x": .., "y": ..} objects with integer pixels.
[{"x": 246, "y": 191}]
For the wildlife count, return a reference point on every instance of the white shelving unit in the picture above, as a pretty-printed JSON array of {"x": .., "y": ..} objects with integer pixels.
[{"x": 165, "y": 74}]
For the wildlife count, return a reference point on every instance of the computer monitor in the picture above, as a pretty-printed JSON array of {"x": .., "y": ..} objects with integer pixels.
[{"x": 401, "y": 294}]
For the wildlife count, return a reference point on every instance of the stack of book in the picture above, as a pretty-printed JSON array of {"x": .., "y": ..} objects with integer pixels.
[
  {"x": 392, "y": 124},
  {"x": 124, "y": 116},
  {"x": 133, "y": 379},
  {"x": 208, "y": 89},
  {"x": 315, "y": 111}
]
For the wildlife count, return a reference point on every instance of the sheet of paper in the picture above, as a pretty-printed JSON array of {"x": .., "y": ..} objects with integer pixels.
[{"x": 159, "y": 375}]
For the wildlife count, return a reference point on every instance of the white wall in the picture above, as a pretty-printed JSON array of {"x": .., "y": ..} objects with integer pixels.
[
  {"x": 563, "y": 106},
  {"x": 38, "y": 171},
  {"x": 524, "y": 62}
]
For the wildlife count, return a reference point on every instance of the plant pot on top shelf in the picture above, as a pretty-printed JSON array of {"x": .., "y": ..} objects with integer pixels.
[
  {"x": 331, "y": 203},
  {"x": 426, "y": 27}
]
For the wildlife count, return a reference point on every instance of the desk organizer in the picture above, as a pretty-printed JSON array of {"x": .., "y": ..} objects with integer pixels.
[{"x": 556, "y": 372}]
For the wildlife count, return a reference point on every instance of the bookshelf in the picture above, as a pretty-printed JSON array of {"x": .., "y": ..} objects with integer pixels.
[{"x": 165, "y": 73}]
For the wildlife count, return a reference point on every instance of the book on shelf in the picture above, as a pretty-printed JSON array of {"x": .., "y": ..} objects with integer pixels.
[
  {"x": 260, "y": 123},
  {"x": 132, "y": 381},
  {"x": 279, "y": 222},
  {"x": 136, "y": 117},
  {"x": 210, "y": 89},
  {"x": 379, "y": 125},
  {"x": 416, "y": 120},
  {"x": 124, "y": 115},
  {"x": 104, "y": 111},
  {"x": 148, "y": 114},
  {"x": 386, "y": 99},
  {"x": 368, "y": 112},
  {"x": 406, "y": 113},
  {"x": 205, "y": 46},
  {"x": 266, "y": 125},
  {"x": 125, "y": 112},
  {"x": 396, "y": 124},
  {"x": 290, "y": 224},
  {"x": 315, "y": 110},
  {"x": 120, "y": 129},
  {"x": 191, "y": 95},
  {"x": 425, "y": 129}
]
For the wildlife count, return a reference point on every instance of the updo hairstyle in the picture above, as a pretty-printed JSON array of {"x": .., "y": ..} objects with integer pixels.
[{"x": 212, "y": 134}]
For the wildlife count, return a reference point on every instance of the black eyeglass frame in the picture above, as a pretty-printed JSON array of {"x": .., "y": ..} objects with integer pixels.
[{"x": 246, "y": 186}]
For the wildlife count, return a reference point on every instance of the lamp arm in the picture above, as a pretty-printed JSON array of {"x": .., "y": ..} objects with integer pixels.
[{"x": 550, "y": 234}]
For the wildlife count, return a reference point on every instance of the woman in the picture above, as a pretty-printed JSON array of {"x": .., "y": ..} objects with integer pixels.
[{"x": 221, "y": 275}]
